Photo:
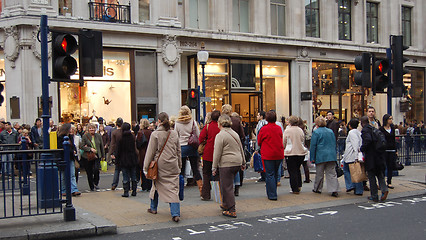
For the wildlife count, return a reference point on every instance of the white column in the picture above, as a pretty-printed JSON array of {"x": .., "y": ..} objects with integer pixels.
[{"x": 301, "y": 81}]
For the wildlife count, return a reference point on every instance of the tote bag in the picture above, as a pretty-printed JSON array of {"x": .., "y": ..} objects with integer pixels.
[{"x": 357, "y": 171}]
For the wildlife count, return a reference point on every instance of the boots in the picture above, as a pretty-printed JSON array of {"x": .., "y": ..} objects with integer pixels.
[
  {"x": 200, "y": 185},
  {"x": 237, "y": 191},
  {"x": 126, "y": 187},
  {"x": 134, "y": 188}
]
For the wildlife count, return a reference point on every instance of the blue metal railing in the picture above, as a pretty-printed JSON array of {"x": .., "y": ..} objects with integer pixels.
[
  {"x": 106, "y": 12},
  {"x": 410, "y": 148},
  {"x": 30, "y": 182}
]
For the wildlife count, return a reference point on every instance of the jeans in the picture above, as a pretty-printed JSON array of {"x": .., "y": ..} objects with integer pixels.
[
  {"x": 174, "y": 207},
  {"x": 271, "y": 176},
  {"x": 7, "y": 164},
  {"x": 129, "y": 174},
  {"x": 373, "y": 184},
  {"x": 116, "y": 177},
  {"x": 73, "y": 179},
  {"x": 359, "y": 187}
]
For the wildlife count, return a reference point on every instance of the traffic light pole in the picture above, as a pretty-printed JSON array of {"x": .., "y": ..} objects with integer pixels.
[
  {"x": 45, "y": 80},
  {"x": 389, "y": 91}
]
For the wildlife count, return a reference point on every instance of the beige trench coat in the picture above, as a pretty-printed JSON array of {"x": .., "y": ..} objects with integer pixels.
[{"x": 169, "y": 164}]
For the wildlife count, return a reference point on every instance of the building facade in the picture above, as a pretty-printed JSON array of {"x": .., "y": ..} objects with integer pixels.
[{"x": 263, "y": 55}]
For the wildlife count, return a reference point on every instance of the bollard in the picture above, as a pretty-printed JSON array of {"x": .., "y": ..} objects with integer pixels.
[
  {"x": 69, "y": 210},
  {"x": 48, "y": 182}
]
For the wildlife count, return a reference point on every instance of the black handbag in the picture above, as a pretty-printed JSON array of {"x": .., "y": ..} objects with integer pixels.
[
  {"x": 398, "y": 165},
  {"x": 339, "y": 170}
]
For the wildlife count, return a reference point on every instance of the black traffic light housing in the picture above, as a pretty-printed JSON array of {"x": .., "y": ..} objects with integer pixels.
[
  {"x": 192, "y": 100},
  {"x": 398, "y": 61},
  {"x": 1, "y": 93},
  {"x": 362, "y": 63},
  {"x": 63, "y": 64},
  {"x": 381, "y": 81},
  {"x": 90, "y": 53}
]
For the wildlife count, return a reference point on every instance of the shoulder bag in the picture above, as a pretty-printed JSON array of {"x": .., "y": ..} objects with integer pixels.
[
  {"x": 89, "y": 154},
  {"x": 203, "y": 143},
  {"x": 153, "y": 165},
  {"x": 193, "y": 139}
]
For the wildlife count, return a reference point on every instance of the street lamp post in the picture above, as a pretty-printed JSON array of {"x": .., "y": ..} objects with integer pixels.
[{"x": 203, "y": 56}]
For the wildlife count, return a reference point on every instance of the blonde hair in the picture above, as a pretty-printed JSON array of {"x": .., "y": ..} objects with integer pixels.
[
  {"x": 293, "y": 120},
  {"x": 225, "y": 120},
  {"x": 172, "y": 121},
  {"x": 184, "y": 114},
  {"x": 90, "y": 125},
  {"x": 227, "y": 109},
  {"x": 320, "y": 121},
  {"x": 144, "y": 123},
  {"x": 208, "y": 118}
]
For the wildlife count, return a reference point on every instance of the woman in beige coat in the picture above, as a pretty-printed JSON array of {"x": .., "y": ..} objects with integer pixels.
[
  {"x": 169, "y": 164},
  {"x": 228, "y": 156}
]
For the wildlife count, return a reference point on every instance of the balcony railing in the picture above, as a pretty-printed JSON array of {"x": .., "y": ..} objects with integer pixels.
[{"x": 105, "y": 12}]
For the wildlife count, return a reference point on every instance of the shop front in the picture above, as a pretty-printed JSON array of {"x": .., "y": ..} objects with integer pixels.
[
  {"x": 249, "y": 85},
  {"x": 108, "y": 96},
  {"x": 333, "y": 88},
  {"x": 3, "y": 82},
  {"x": 414, "y": 82}
]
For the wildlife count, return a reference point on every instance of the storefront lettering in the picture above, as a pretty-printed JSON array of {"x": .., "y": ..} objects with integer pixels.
[
  {"x": 188, "y": 44},
  {"x": 2, "y": 72},
  {"x": 108, "y": 71}
]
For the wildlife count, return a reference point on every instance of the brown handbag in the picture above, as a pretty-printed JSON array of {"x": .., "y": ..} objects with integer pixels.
[
  {"x": 152, "y": 172},
  {"x": 203, "y": 144},
  {"x": 90, "y": 156}
]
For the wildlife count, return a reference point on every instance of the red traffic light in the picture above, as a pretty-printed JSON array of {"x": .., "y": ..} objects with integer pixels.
[
  {"x": 193, "y": 94},
  {"x": 382, "y": 66},
  {"x": 65, "y": 44}
]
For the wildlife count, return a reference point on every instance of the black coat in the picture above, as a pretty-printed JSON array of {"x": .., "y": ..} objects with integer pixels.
[
  {"x": 127, "y": 154},
  {"x": 390, "y": 138},
  {"x": 374, "y": 160},
  {"x": 72, "y": 146},
  {"x": 334, "y": 126}
]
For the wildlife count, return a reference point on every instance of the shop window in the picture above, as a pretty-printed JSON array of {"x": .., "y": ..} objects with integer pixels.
[
  {"x": 245, "y": 75},
  {"x": 216, "y": 80},
  {"x": 414, "y": 82},
  {"x": 344, "y": 19},
  {"x": 3, "y": 81},
  {"x": 312, "y": 27},
  {"x": 334, "y": 89},
  {"x": 278, "y": 17},
  {"x": 199, "y": 14},
  {"x": 372, "y": 22},
  {"x": 65, "y": 7},
  {"x": 240, "y": 15},
  {"x": 107, "y": 96},
  {"x": 406, "y": 25},
  {"x": 276, "y": 93},
  {"x": 146, "y": 75},
  {"x": 144, "y": 10}
]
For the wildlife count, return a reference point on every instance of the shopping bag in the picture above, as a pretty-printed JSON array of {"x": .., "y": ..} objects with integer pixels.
[
  {"x": 357, "y": 171},
  {"x": 181, "y": 186},
  {"x": 104, "y": 166},
  {"x": 257, "y": 163},
  {"x": 216, "y": 191},
  {"x": 188, "y": 170}
]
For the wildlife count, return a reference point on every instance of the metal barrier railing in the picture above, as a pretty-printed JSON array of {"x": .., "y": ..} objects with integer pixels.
[
  {"x": 32, "y": 180},
  {"x": 106, "y": 12},
  {"x": 410, "y": 148}
]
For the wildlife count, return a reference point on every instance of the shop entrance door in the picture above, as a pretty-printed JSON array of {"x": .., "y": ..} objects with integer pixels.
[{"x": 247, "y": 105}]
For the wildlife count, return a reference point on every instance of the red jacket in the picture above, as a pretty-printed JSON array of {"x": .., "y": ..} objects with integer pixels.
[
  {"x": 210, "y": 135},
  {"x": 270, "y": 140}
]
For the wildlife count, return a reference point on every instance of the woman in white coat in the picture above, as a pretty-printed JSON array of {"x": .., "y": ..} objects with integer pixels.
[{"x": 353, "y": 143}]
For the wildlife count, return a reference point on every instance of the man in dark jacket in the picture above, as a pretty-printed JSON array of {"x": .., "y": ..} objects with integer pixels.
[
  {"x": 115, "y": 138},
  {"x": 36, "y": 134},
  {"x": 332, "y": 123},
  {"x": 374, "y": 162}
]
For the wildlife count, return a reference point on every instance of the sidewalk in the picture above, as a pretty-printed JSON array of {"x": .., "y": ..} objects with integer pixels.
[{"x": 106, "y": 212}]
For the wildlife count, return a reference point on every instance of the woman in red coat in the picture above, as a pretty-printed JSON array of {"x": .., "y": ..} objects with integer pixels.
[
  {"x": 270, "y": 140},
  {"x": 208, "y": 133}
]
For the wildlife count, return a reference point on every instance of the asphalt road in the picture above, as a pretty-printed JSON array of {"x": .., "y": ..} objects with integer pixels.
[{"x": 402, "y": 218}]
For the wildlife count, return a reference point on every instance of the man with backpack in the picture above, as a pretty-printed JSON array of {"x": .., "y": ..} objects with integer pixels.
[{"x": 373, "y": 146}]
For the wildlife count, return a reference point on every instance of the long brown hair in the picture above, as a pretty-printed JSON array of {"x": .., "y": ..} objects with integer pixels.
[
  {"x": 164, "y": 119},
  {"x": 64, "y": 129}
]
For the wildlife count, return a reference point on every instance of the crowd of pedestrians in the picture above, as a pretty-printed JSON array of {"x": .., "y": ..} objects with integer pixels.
[{"x": 284, "y": 147}]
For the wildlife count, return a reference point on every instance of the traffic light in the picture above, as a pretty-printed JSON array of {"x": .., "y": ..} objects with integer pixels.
[
  {"x": 192, "y": 100},
  {"x": 398, "y": 65},
  {"x": 1, "y": 93},
  {"x": 90, "y": 53},
  {"x": 363, "y": 63},
  {"x": 63, "y": 64},
  {"x": 381, "y": 81}
]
